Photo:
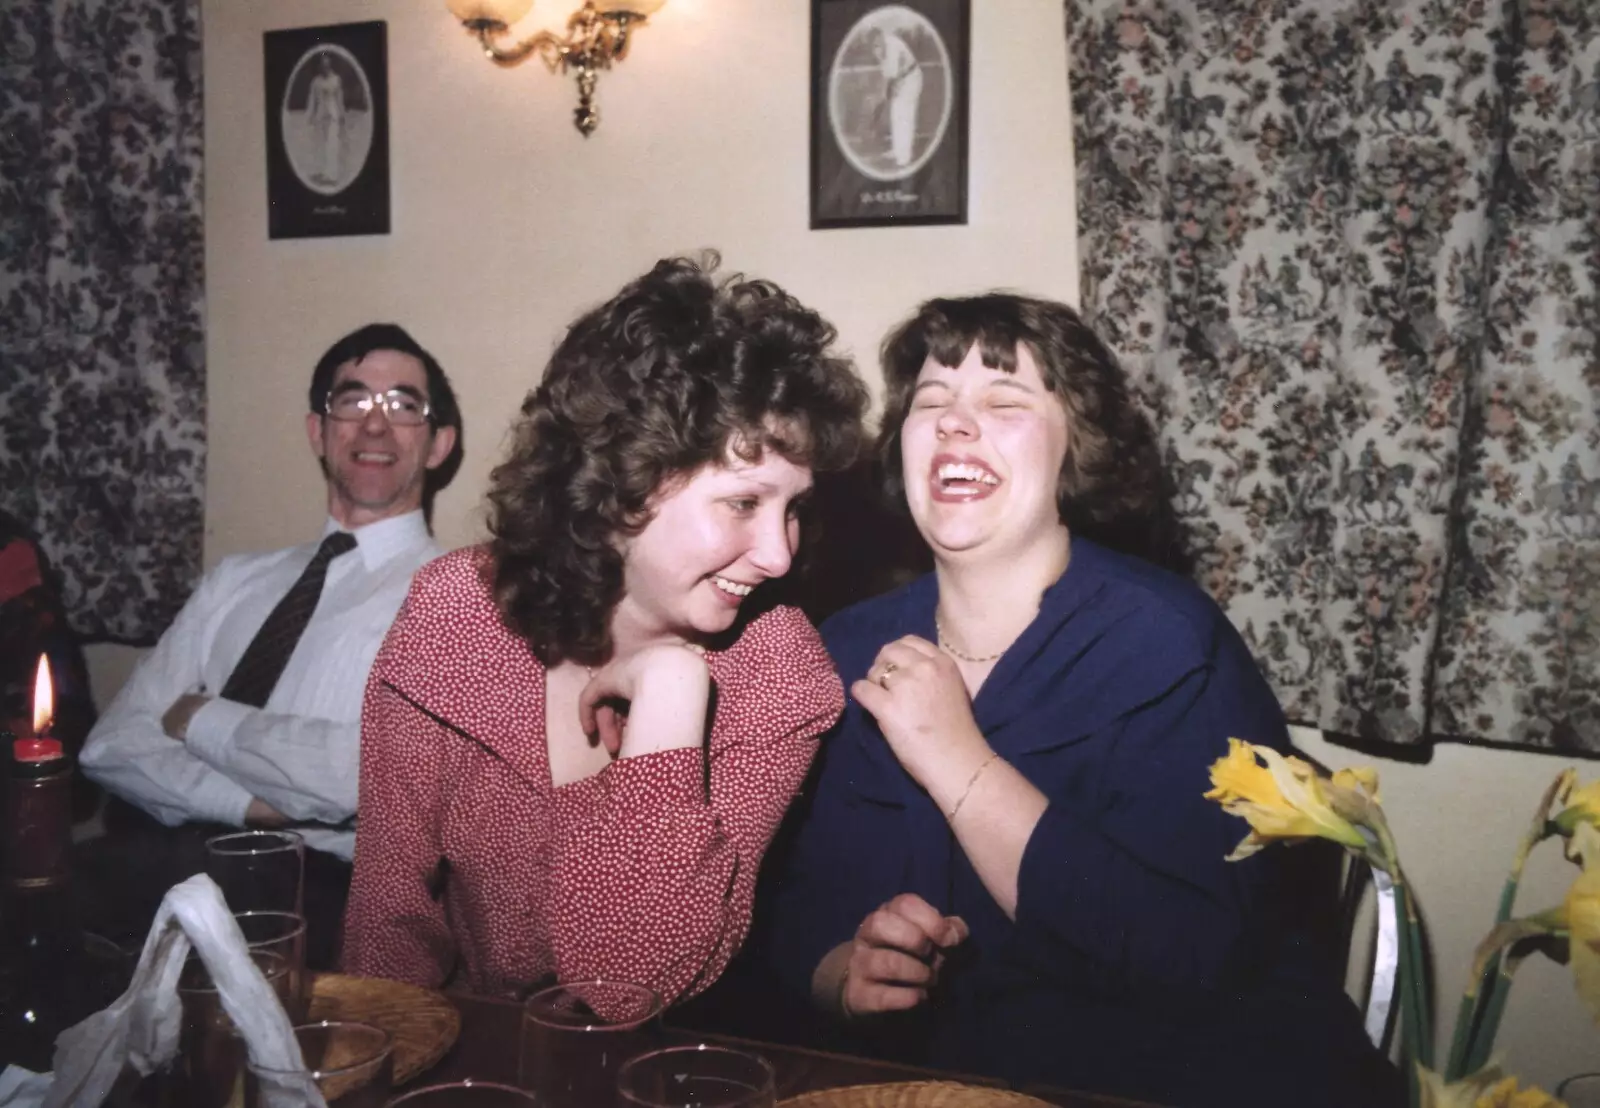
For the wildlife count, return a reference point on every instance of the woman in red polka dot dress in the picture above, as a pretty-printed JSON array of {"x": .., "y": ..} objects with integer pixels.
[{"x": 578, "y": 739}]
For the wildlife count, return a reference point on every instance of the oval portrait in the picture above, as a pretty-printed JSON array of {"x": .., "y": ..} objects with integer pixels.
[
  {"x": 327, "y": 119},
  {"x": 890, "y": 93}
]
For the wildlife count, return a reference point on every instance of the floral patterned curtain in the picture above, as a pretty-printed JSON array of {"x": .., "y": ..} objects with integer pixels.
[
  {"x": 1350, "y": 251},
  {"x": 102, "y": 386}
]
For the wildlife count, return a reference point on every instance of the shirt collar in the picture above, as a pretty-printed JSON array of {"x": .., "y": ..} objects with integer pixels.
[{"x": 386, "y": 539}]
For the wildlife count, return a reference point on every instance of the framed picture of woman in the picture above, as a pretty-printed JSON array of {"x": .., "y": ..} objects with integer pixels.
[
  {"x": 327, "y": 100},
  {"x": 889, "y": 112}
]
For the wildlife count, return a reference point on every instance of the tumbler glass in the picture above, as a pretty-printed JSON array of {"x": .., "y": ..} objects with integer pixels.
[
  {"x": 284, "y": 934},
  {"x": 467, "y": 1094},
  {"x": 700, "y": 1076},
  {"x": 209, "y": 1069},
  {"x": 575, "y": 1036},
  {"x": 351, "y": 1064},
  {"x": 259, "y": 871}
]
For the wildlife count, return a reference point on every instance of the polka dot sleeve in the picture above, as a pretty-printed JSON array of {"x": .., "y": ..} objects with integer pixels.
[
  {"x": 653, "y": 878},
  {"x": 394, "y": 927}
]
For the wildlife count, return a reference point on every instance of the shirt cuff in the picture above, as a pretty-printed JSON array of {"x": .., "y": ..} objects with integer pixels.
[
  {"x": 661, "y": 780},
  {"x": 210, "y": 732},
  {"x": 222, "y": 800}
]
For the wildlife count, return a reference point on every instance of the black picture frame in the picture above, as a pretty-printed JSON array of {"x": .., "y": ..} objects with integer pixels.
[
  {"x": 889, "y": 148},
  {"x": 327, "y": 107}
]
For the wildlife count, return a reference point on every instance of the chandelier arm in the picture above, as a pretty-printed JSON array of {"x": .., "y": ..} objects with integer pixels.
[{"x": 551, "y": 48}]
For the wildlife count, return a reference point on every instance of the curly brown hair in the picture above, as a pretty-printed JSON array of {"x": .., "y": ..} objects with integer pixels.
[
  {"x": 1113, "y": 488},
  {"x": 663, "y": 379}
]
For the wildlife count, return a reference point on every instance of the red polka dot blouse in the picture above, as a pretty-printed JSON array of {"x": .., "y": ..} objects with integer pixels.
[{"x": 631, "y": 874}]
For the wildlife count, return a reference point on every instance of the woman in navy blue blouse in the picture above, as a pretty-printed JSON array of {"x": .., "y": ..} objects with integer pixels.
[{"x": 1006, "y": 864}]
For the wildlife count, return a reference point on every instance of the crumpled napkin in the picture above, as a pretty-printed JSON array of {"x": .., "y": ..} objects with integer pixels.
[
  {"x": 140, "y": 1028},
  {"x": 20, "y": 1088}
]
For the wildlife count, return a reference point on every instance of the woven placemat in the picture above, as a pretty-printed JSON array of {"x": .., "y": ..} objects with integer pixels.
[
  {"x": 915, "y": 1094},
  {"x": 424, "y": 1024}
]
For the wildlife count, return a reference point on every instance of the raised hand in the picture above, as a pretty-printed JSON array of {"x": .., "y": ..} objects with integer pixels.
[
  {"x": 664, "y": 689},
  {"x": 915, "y": 692},
  {"x": 896, "y": 955}
]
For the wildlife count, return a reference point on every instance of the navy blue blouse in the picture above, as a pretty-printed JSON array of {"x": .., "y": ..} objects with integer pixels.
[{"x": 1140, "y": 962}]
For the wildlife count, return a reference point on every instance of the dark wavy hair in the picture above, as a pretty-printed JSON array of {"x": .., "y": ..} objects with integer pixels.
[
  {"x": 1113, "y": 488},
  {"x": 664, "y": 378}
]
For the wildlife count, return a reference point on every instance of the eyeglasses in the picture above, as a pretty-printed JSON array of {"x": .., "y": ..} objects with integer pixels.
[{"x": 401, "y": 407}]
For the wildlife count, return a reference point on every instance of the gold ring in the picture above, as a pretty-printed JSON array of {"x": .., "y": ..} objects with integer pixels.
[{"x": 883, "y": 678}]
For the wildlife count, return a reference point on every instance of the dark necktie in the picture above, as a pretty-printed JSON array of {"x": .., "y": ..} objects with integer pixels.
[{"x": 258, "y": 670}]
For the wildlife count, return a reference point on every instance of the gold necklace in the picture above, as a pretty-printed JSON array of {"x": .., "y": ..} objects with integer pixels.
[{"x": 946, "y": 646}]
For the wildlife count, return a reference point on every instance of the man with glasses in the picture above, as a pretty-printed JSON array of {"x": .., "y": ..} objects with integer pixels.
[{"x": 247, "y": 713}]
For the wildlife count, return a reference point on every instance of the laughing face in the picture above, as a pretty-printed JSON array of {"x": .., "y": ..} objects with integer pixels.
[
  {"x": 375, "y": 469},
  {"x": 713, "y": 538},
  {"x": 982, "y": 451}
]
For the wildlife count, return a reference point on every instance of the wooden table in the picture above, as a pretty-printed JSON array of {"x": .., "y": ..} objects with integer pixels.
[{"x": 490, "y": 1039}]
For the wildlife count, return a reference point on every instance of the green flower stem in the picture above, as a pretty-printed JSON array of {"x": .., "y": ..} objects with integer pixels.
[
  {"x": 1410, "y": 1015},
  {"x": 1493, "y": 1008},
  {"x": 1469, "y": 1017},
  {"x": 1474, "y": 1035},
  {"x": 1461, "y": 1039},
  {"x": 1416, "y": 972}
]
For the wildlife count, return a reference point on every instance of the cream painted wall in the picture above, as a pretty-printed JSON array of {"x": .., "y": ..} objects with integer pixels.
[{"x": 507, "y": 223}]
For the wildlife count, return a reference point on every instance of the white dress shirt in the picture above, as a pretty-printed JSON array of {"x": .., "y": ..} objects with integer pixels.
[{"x": 300, "y": 752}]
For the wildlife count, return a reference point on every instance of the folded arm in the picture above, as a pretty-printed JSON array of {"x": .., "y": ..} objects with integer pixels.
[
  {"x": 130, "y": 754},
  {"x": 303, "y": 767},
  {"x": 657, "y": 880}
]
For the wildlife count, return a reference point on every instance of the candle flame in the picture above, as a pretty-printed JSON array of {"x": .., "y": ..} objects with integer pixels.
[{"x": 44, "y": 697}]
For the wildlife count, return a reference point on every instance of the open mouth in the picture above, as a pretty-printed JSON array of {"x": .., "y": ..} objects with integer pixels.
[
  {"x": 732, "y": 588},
  {"x": 963, "y": 480},
  {"x": 375, "y": 458}
]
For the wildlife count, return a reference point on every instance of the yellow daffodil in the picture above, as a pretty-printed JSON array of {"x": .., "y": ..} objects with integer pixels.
[
  {"x": 1505, "y": 1094},
  {"x": 1436, "y": 1093},
  {"x": 1363, "y": 779},
  {"x": 1484, "y": 1089},
  {"x": 1284, "y": 799},
  {"x": 1353, "y": 794},
  {"x": 1581, "y": 913},
  {"x": 1582, "y": 806}
]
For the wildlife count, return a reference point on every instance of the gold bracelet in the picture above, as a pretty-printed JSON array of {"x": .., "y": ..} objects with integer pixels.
[{"x": 971, "y": 781}]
